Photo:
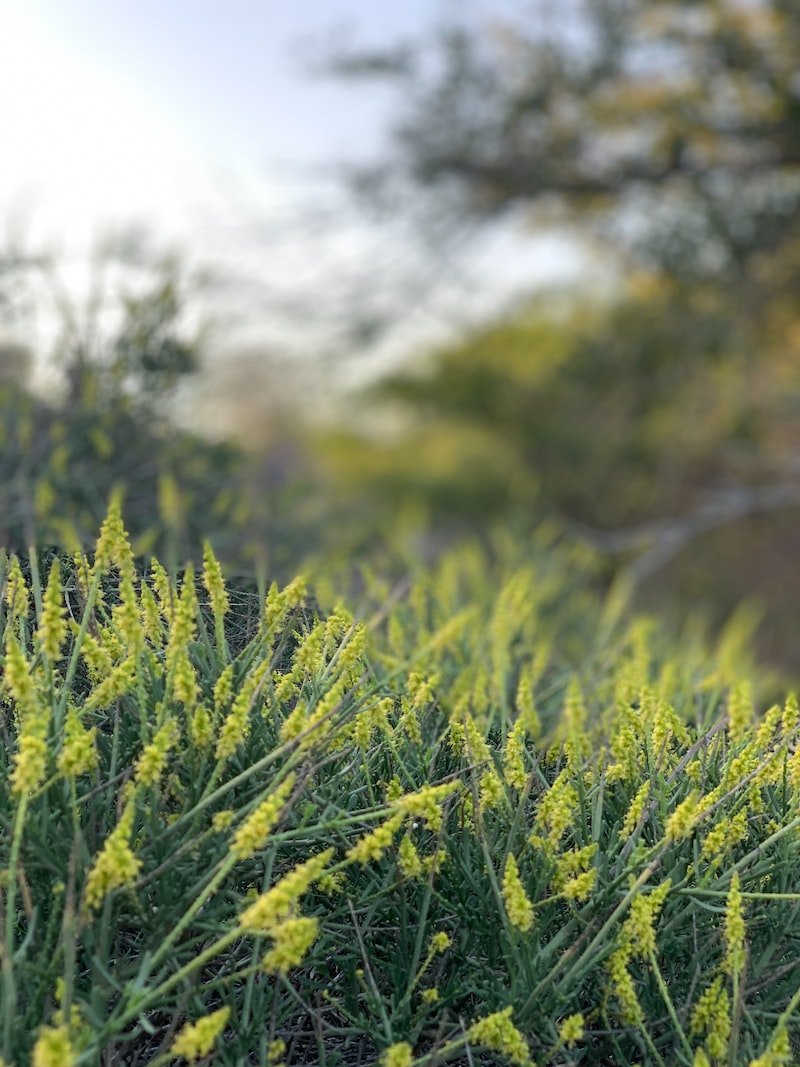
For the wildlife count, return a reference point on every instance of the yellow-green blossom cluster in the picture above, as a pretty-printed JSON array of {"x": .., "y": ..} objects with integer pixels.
[
  {"x": 214, "y": 583},
  {"x": 151, "y": 763},
  {"x": 556, "y": 810},
  {"x": 518, "y": 907},
  {"x": 53, "y": 1048},
  {"x": 196, "y": 1040},
  {"x": 497, "y": 1033},
  {"x": 78, "y": 754},
  {"x": 291, "y": 941},
  {"x": 373, "y": 845},
  {"x": 427, "y": 803},
  {"x": 711, "y": 1018},
  {"x": 254, "y": 831},
  {"x": 236, "y": 725},
  {"x": 52, "y": 630},
  {"x": 115, "y": 865},
  {"x": 400, "y": 1054},
  {"x": 281, "y": 900},
  {"x": 734, "y": 929},
  {"x": 514, "y": 771}
]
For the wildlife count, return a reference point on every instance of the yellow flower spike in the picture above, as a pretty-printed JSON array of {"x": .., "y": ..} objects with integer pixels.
[
  {"x": 401, "y": 1054},
  {"x": 223, "y": 688},
  {"x": 734, "y": 929},
  {"x": 153, "y": 759},
  {"x": 427, "y": 803},
  {"x": 362, "y": 730},
  {"x": 557, "y": 809},
  {"x": 150, "y": 618},
  {"x": 30, "y": 761},
  {"x": 791, "y": 716},
  {"x": 526, "y": 709},
  {"x": 127, "y": 616},
  {"x": 572, "y": 862},
  {"x": 351, "y": 652},
  {"x": 52, "y": 630},
  {"x": 96, "y": 656},
  {"x": 16, "y": 595},
  {"x": 518, "y": 907},
  {"x": 580, "y": 887},
  {"x": 623, "y": 988},
  {"x": 723, "y": 837},
  {"x": 337, "y": 625},
  {"x": 113, "y": 547},
  {"x": 778, "y": 1053},
  {"x": 163, "y": 588},
  {"x": 514, "y": 771},
  {"x": 236, "y": 726},
  {"x": 475, "y": 746},
  {"x": 279, "y": 902},
  {"x": 409, "y": 723},
  {"x": 183, "y": 623},
  {"x": 222, "y": 820},
  {"x": 700, "y": 1058},
  {"x": 491, "y": 792},
  {"x": 576, "y": 740},
  {"x": 280, "y": 602},
  {"x": 308, "y": 657},
  {"x": 53, "y": 1048},
  {"x": 201, "y": 728},
  {"x": 571, "y": 1030},
  {"x": 372, "y": 846},
  {"x": 252, "y": 834},
  {"x": 214, "y": 582},
  {"x": 33, "y": 717},
  {"x": 497, "y": 1033},
  {"x": 440, "y": 942},
  {"x": 711, "y": 1016},
  {"x": 408, "y": 859},
  {"x": 684, "y": 818},
  {"x": 115, "y": 865},
  {"x": 121, "y": 680},
  {"x": 331, "y": 883},
  {"x": 292, "y": 940},
  {"x": 19, "y": 681},
  {"x": 185, "y": 687},
  {"x": 276, "y": 1050},
  {"x": 740, "y": 710},
  {"x": 420, "y": 690},
  {"x": 196, "y": 1040},
  {"x": 666, "y": 728},
  {"x": 638, "y": 930},
  {"x": 78, "y": 754},
  {"x": 635, "y": 811}
]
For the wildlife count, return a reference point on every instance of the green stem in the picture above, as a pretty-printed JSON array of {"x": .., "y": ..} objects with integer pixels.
[
  {"x": 662, "y": 985},
  {"x": 9, "y": 985}
]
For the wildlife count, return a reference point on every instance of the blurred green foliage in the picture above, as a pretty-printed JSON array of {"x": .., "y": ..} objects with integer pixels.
[
  {"x": 108, "y": 427},
  {"x": 615, "y": 420}
]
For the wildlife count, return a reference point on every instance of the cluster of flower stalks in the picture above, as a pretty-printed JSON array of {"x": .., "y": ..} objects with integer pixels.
[{"x": 478, "y": 818}]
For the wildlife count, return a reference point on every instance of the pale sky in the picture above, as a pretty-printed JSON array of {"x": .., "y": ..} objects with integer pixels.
[{"x": 198, "y": 118}]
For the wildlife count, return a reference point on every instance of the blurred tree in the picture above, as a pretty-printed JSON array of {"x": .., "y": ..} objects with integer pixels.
[
  {"x": 661, "y": 429},
  {"x": 122, "y": 353},
  {"x": 673, "y": 126},
  {"x": 666, "y": 133}
]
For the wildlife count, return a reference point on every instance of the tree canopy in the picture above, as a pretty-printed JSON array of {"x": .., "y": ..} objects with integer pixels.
[{"x": 672, "y": 125}]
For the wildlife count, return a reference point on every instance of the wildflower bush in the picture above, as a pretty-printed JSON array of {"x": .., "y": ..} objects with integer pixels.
[{"x": 477, "y": 818}]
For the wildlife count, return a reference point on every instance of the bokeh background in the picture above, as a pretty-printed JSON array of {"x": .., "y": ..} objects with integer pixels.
[{"x": 315, "y": 279}]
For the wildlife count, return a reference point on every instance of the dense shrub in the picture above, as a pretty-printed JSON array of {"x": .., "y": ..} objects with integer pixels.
[{"x": 483, "y": 817}]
